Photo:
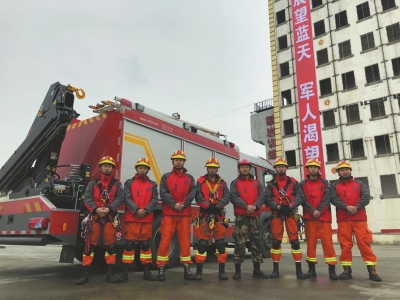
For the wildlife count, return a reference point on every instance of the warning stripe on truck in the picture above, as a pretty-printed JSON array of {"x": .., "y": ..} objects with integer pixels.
[
  {"x": 23, "y": 206},
  {"x": 23, "y": 232}
]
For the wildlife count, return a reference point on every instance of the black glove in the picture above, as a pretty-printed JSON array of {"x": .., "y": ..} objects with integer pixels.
[
  {"x": 285, "y": 210},
  {"x": 212, "y": 208}
]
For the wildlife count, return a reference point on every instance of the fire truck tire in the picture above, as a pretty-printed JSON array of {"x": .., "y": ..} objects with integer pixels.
[
  {"x": 266, "y": 239},
  {"x": 155, "y": 242}
]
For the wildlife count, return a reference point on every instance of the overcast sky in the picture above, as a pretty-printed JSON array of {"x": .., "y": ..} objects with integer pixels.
[{"x": 197, "y": 57}]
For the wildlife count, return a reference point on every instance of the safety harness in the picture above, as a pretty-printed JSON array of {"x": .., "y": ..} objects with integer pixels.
[{"x": 283, "y": 195}]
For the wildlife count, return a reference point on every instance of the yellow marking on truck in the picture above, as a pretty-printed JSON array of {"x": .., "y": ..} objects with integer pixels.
[
  {"x": 73, "y": 126},
  {"x": 91, "y": 120},
  {"x": 104, "y": 115},
  {"x": 80, "y": 124},
  {"x": 28, "y": 207},
  {"x": 84, "y": 122},
  {"x": 69, "y": 126},
  {"x": 1, "y": 207},
  {"x": 140, "y": 141},
  {"x": 97, "y": 118},
  {"x": 37, "y": 206}
]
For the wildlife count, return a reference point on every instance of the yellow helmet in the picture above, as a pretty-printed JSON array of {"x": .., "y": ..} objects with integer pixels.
[
  {"x": 143, "y": 162},
  {"x": 212, "y": 162},
  {"x": 313, "y": 162},
  {"x": 280, "y": 161},
  {"x": 178, "y": 154},
  {"x": 343, "y": 164},
  {"x": 107, "y": 160}
]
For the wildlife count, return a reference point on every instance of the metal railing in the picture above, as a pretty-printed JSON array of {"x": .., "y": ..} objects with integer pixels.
[{"x": 263, "y": 105}]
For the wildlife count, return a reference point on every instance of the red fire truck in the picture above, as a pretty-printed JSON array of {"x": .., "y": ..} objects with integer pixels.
[{"x": 43, "y": 181}]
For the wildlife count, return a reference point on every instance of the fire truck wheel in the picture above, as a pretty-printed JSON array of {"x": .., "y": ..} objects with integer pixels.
[
  {"x": 266, "y": 240},
  {"x": 155, "y": 242}
]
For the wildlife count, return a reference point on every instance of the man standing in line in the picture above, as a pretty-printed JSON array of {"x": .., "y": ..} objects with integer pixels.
[
  {"x": 177, "y": 191},
  {"x": 247, "y": 197},
  {"x": 102, "y": 198},
  {"x": 318, "y": 219},
  {"x": 350, "y": 198},
  {"x": 283, "y": 195},
  {"x": 141, "y": 196},
  {"x": 212, "y": 197}
]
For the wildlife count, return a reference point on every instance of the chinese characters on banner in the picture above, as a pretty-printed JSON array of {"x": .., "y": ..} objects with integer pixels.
[
  {"x": 307, "y": 95},
  {"x": 269, "y": 120}
]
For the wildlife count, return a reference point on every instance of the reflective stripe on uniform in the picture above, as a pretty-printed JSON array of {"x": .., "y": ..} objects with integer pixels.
[
  {"x": 312, "y": 259},
  {"x": 296, "y": 251},
  {"x": 128, "y": 257},
  {"x": 345, "y": 263},
  {"x": 142, "y": 255},
  {"x": 162, "y": 258},
  {"x": 370, "y": 263},
  {"x": 276, "y": 251},
  {"x": 330, "y": 259},
  {"x": 185, "y": 258},
  {"x": 199, "y": 254}
]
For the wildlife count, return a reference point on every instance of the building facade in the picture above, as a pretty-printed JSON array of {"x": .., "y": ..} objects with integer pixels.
[{"x": 356, "y": 50}]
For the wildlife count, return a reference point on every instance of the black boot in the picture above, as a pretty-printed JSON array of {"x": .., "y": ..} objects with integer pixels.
[
  {"x": 110, "y": 274},
  {"x": 372, "y": 274},
  {"x": 147, "y": 274},
  {"x": 221, "y": 273},
  {"x": 161, "y": 274},
  {"x": 187, "y": 274},
  {"x": 199, "y": 272},
  {"x": 257, "y": 273},
  {"x": 84, "y": 277},
  {"x": 299, "y": 272},
  {"x": 238, "y": 271},
  {"x": 275, "y": 271},
  {"x": 332, "y": 273},
  {"x": 346, "y": 274},
  {"x": 124, "y": 275},
  {"x": 311, "y": 270}
]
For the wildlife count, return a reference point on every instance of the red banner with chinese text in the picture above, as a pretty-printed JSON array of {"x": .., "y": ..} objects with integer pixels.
[{"x": 307, "y": 95}]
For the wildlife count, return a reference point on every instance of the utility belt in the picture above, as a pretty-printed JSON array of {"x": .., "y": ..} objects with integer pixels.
[
  {"x": 210, "y": 220},
  {"x": 89, "y": 220}
]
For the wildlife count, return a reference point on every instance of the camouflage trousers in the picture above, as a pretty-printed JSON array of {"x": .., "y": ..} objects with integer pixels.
[{"x": 247, "y": 226}]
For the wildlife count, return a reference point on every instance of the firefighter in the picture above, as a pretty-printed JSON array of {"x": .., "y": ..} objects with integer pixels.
[
  {"x": 212, "y": 196},
  {"x": 141, "y": 196},
  {"x": 177, "y": 191},
  {"x": 102, "y": 198},
  {"x": 350, "y": 198},
  {"x": 318, "y": 219},
  {"x": 283, "y": 195},
  {"x": 247, "y": 197}
]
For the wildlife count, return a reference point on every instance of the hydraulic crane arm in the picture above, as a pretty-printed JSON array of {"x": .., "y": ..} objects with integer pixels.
[{"x": 40, "y": 150}]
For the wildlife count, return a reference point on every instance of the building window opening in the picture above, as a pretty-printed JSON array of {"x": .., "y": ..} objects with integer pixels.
[
  {"x": 316, "y": 3},
  {"x": 377, "y": 108},
  {"x": 280, "y": 17},
  {"x": 372, "y": 73},
  {"x": 363, "y": 11},
  {"x": 344, "y": 49},
  {"x": 286, "y": 97},
  {"x": 348, "y": 80},
  {"x": 288, "y": 125},
  {"x": 357, "y": 148},
  {"x": 284, "y": 69},
  {"x": 388, "y": 185},
  {"x": 393, "y": 32},
  {"x": 382, "y": 144},
  {"x": 329, "y": 118},
  {"x": 341, "y": 19},
  {"x": 396, "y": 66},
  {"x": 367, "y": 41},
  {"x": 388, "y": 4},
  {"x": 332, "y": 152},
  {"x": 325, "y": 87},
  {"x": 282, "y": 42},
  {"x": 291, "y": 158},
  {"x": 363, "y": 180},
  {"x": 322, "y": 56},
  {"x": 319, "y": 28},
  {"x": 352, "y": 113}
]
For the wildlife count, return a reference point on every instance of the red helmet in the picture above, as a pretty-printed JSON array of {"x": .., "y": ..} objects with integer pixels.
[
  {"x": 313, "y": 162},
  {"x": 107, "y": 160},
  {"x": 280, "y": 161},
  {"x": 212, "y": 162},
  {"x": 178, "y": 154},
  {"x": 343, "y": 164},
  {"x": 244, "y": 161},
  {"x": 143, "y": 162}
]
